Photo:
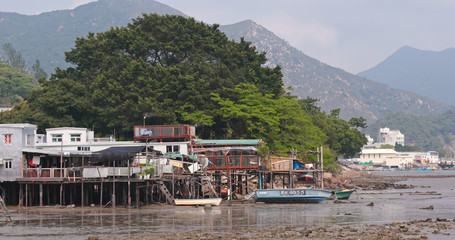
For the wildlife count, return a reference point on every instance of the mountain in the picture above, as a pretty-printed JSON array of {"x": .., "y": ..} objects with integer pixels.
[
  {"x": 427, "y": 73},
  {"x": 47, "y": 36},
  {"x": 336, "y": 88}
]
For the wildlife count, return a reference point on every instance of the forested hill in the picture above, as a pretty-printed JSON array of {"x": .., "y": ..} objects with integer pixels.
[
  {"x": 430, "y": 132},
  {"x": 47, "y": 36}
]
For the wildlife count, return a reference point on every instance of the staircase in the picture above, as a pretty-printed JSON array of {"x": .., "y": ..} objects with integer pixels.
[
  {"x": 205, "y": 181},
  {"x": 166, "y": 192},
  {"x": 5, "y": 210}
]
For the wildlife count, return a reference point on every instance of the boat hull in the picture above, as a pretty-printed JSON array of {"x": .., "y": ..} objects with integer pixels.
[
  {"x": 341, "y": 194},
  {"x": 292, "y": 195},
  {"x": 201, "y": 202}
]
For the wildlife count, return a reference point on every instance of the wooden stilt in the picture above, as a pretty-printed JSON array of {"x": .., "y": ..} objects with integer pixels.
[
  {"x": 40, "y": 194},
  {"x": 26, "y": 195},
  {"x": 101, "y": 194},
  {"x": 61, "y": 194},
  {"x": 20, "y": 196},
  {"x": 82, "y": 194},
  {"x": 137, "y": 195},
  {"x": 129, "y": 193}
]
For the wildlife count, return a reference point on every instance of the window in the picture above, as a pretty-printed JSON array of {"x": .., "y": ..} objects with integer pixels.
[
  {"x": 173, "y": 149},
  {"x": 75, "y": 137},
  {"x": 30, "y": 139},
  {"x": 176, "y": 148},
  {"x": 7, "y": 138},
  {"x": 83, "y": 148},
  {"x": 8, "y": 163},
  {"x": 56, "y": 137}
]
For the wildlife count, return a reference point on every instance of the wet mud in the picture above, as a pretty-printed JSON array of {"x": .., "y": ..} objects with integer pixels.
[{"x": 418, "y": 206}]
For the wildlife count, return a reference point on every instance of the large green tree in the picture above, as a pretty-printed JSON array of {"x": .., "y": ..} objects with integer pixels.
[{"x": 165, "y": 65}]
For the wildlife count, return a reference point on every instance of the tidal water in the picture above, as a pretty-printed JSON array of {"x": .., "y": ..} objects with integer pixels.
[{"x": 436, "y": 189}]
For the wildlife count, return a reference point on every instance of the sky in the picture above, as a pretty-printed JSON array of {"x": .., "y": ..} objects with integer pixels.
[{"x": 354, "y": 35}]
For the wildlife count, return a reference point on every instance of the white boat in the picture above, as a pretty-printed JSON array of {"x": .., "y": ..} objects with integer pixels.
[{"x": 200, "y": 201}]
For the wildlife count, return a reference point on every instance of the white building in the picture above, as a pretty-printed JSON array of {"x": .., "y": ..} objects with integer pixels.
[
  {"x": 391, "y": 137},
  {"x": 68, "y": 139},
  {"x": 386, "y": 158}
]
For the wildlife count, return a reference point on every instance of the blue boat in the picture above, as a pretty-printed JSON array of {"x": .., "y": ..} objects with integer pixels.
[{"x": 292, "y": 195}]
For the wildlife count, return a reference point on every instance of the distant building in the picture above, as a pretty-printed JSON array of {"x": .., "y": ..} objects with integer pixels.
[
  {"x": 386, "y": 158},
  {"x": 391, "y": 137}
]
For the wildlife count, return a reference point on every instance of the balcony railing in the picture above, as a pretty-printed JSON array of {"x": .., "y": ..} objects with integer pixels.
[{"x": 88, "y": 172}]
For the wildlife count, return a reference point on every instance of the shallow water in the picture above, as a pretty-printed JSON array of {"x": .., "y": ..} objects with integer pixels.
[{"x": 433, "y": 189}]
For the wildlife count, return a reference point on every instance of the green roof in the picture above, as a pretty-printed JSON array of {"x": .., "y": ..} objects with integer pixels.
[{"x": 227, "y": 141}]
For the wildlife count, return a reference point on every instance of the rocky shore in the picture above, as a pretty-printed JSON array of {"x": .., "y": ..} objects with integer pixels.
[
  {"x": 426, "y": 228},
  {"x": 417, "y": 229}
]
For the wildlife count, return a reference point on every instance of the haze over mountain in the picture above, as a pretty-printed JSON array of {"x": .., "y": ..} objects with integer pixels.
[
  {"x": 428, "y": 73},
  {"x": 47, "y": 36},
  {"x": 336, "y": 88}
]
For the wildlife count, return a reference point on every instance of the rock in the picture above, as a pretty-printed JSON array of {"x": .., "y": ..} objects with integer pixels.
[
  {"x": 371, "y": 204},
  {"x": 208, "y": 207},
  {"x": 429, "y": 207},
  {"x": 441, "y": 219}
]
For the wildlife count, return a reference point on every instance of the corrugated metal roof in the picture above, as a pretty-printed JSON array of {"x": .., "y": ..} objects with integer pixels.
[{"x": 227, "y": 141}]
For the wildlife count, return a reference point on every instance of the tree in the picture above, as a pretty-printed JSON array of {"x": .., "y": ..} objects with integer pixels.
[
  {"x": 358, "y": 122},
  {"x": 13, "y": 57},
  {"x": 406, "y": 148},
  {"x": 341, "y": 137},
  {"x": 14, "y": 85},
  {"x": 278, "y": 121},
  {"x": 38, "y": 72},
  {"x": 166, "y": 65}
]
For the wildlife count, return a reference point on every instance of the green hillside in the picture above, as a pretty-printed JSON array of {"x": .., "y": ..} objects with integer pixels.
[
  {"x": 428, "y": 132},
  {"x": 14, "y": 85}
]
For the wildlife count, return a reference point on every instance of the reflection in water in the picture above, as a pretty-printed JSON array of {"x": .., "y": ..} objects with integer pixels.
[{"x": 389, "y": 205}]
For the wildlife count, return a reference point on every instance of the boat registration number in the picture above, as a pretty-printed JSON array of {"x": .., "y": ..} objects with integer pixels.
[{"x": 292, "y": 192}]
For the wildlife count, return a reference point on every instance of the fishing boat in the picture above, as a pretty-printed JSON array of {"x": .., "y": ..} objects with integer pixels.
[
  {"x": 292, "y": 195},
  {"x": 200, "y": 201},
  {"x": 341, "y": 194}
]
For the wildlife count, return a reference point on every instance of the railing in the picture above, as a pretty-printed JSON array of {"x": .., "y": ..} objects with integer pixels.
[
  {"x": 87, "y": 172},
  {"x": 233, "y": 162},
  {"x": 50, "y": 172}
]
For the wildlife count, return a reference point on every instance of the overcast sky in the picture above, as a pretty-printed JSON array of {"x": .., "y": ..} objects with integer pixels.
[{"x": 354, "y": 35}]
